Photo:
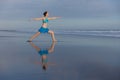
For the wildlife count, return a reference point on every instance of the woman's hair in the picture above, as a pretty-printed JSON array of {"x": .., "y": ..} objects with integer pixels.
[
  {"x": 45, "y": 13},
  {"x": 44, "y": 67}
]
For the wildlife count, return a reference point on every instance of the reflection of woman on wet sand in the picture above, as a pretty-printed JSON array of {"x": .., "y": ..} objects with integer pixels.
[{"x": 43, "y": 53}]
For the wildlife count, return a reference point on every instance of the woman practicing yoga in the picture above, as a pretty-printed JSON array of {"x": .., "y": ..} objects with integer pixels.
[{"x": 44, "y": 29}]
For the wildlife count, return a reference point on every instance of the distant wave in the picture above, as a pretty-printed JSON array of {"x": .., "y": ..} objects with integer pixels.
[
  {"x": 98, "y": 33},
  {"x": 16, "y": 31}
]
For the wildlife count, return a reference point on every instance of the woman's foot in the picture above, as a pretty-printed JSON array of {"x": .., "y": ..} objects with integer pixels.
[
  {"x": 55, "y": 40},
  {"x": 29, "y": 41}
]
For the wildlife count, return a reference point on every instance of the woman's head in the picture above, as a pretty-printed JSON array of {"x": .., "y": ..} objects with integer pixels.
[
  {"x": 44, "y": 62},
  {"x": 45, "y": 14},
  {"x": 44, "y": 67}
]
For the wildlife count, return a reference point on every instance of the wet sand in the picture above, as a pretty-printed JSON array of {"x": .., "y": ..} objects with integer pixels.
[{"x": 72, "y": 58}]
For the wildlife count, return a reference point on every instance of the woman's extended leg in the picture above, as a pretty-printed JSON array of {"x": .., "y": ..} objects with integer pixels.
[
  {"x": 52, "y": 35},
  {"x": 34, "y": 36}
]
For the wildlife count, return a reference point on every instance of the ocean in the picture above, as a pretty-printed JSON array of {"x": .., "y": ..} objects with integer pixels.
[{"x": 75, "y": 27}]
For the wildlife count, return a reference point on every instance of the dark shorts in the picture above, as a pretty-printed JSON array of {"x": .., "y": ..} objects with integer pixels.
[
  {"x": 43, "y": 52},
  {"x": 43, "y": 30}
]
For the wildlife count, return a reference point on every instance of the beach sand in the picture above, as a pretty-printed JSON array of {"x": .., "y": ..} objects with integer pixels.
[{"x": 73, "y": 58}]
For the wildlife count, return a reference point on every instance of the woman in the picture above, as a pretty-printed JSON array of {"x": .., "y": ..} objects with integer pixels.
[{"x": 44, "y": 28}]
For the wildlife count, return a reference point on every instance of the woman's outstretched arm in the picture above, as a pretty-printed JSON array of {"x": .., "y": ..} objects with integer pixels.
[
  {"x": 52, "y": 18},
  {"x": 36, "y": 19}
]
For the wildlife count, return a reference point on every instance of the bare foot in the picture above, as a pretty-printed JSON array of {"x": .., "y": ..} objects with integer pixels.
[
  {"x": 29, "y": 41},
  {"x": 55, "y": 40}
]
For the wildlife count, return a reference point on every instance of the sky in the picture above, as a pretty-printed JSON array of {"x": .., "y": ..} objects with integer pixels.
[
  {"x": 79, "y": 13},
  {"x": 63, "y": 8}
]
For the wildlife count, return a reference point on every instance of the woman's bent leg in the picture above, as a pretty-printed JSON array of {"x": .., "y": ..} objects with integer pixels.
[
  {"x": 34, "y": 36},
  {"x": 52, "y": 35}
]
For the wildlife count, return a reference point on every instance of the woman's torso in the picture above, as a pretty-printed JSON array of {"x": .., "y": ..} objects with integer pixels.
[{"x": 45, "y": 21}]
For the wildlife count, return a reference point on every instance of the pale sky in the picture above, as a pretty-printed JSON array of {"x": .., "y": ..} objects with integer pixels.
[{"x": 64, "y": 8}]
